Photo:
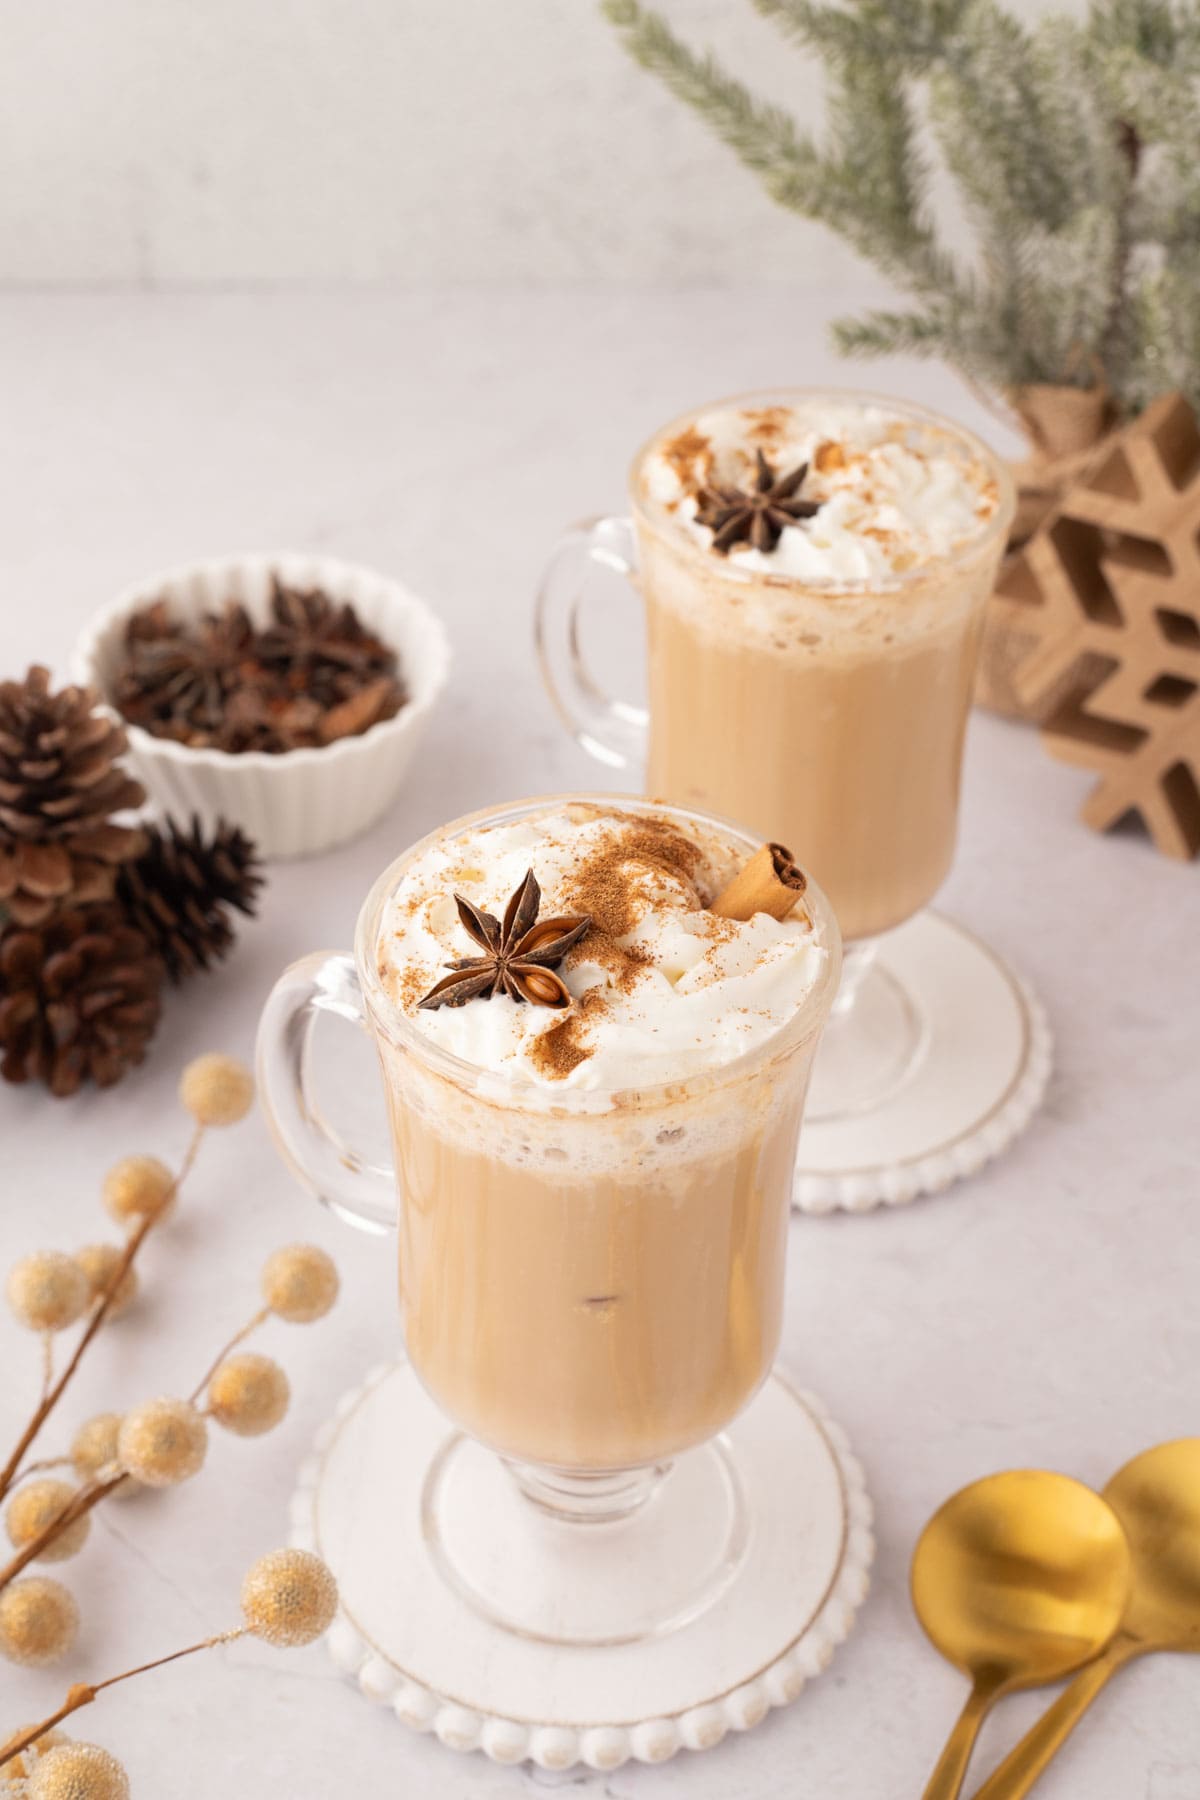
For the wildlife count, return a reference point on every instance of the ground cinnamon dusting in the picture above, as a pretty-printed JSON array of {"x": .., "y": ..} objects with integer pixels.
[
  {"x": 564, "y": 1046},
  {"x": 766, "y": 424},
  {"x": 413, "y": 983},
  {"x": 623, "y": 962},
  {"x": 829, "y": 456},
  {"x": 689, "y": 457},
  {"x": 606, "y": 885}
]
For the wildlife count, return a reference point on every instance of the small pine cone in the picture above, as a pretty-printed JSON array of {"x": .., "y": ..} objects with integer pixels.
[
  {"x": 60, "y": 783},
  {"x": 79, "y": 1000},
  {"x": 179, "y": 890}
]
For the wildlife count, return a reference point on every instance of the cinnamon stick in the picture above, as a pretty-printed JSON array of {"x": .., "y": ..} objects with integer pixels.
[{"x": 770, "y": 882}]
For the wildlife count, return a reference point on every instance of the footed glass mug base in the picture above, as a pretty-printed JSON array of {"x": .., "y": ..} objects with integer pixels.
[
  {"x": 659, "y": 1549},
  {"x": 876, "y": 1038},
  {"x": 597, "y": 1499}
]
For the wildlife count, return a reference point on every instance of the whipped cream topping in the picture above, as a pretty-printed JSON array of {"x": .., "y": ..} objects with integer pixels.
[
  {"x": 895, "y": 493},
  {"x": 661, "y": 988}
]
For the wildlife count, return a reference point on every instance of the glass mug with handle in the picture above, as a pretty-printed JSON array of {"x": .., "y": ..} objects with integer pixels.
[
  {"x": 817, "y": 688},
  {"x": 591, "y": 1284}
]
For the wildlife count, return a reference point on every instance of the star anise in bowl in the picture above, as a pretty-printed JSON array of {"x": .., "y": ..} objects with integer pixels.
[{"x": 311, "y": 675}]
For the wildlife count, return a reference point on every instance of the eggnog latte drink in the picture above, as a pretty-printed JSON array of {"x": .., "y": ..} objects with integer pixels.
[
  {"x": 594, "y": 1196},
  {"x": 811, "y": 662}
]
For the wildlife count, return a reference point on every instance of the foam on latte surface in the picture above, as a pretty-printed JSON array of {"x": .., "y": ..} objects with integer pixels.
[
  {"x": 662, "y": 989},
  {"x": 895, "y": 493}
]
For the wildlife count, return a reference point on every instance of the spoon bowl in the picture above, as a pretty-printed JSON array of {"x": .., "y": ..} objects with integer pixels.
[
  {"x": 1018, "y": 1579},
  {"x": 1157, "y": 1499}
]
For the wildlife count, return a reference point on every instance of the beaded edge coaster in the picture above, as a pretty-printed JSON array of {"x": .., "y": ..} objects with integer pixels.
[
  {"x": 561, "y": 1746},
  {"x": 971, "y": 992}
]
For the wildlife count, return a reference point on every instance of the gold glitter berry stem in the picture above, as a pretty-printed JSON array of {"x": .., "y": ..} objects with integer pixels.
[
  {"x": 52, "y": 1395},
  {"x": 239, "y": 1337},
  {"x": 83, "y": 1693},
  {"x": 38, "y": 1468},
  {"x": 84, "y": 1501}
]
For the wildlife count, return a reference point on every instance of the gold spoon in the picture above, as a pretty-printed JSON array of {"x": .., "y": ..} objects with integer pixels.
[
  {"x": 1017, "y": 1580},
  {"x": 1157, "y": 1499}
]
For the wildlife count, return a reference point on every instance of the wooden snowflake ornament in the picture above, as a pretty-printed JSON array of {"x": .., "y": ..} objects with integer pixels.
[{"x": 1109, "y": 590}]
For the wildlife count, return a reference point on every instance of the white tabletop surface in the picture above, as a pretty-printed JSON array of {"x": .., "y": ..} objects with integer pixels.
[{"x": 1045, "y": 1314}]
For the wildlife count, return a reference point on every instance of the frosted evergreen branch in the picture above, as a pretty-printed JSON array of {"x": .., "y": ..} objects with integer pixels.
[
  {"x": 988, "y": 84},
  {"x": 879, "y": 177},
  {"x": 910, "y": 33},
  {"x": 1074, "y": 149},
  {"x": 763, "y": 136},
  {"x": 885, "y": 333}
]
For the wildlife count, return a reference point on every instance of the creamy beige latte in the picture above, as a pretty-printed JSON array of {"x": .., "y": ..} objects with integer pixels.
[
  {"x": 595, "y": 1198},
  {"x": 810, "y": 674}
]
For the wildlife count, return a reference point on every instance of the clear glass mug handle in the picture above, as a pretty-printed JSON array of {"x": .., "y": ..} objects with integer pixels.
[
  {"x": 358, "y": 1190},
  {"x": 613, "y": 731}
]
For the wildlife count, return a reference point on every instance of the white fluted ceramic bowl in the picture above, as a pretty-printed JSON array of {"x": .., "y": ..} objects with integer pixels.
[{"x": 302, "y": 801}]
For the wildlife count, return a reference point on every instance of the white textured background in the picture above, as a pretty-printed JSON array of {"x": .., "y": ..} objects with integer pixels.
[
  {"x": 147, "y": 142},
  {"x": 1043, "y": 1314}
]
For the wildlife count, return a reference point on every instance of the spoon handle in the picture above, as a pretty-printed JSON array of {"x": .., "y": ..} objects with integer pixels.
[
  {"x": 947, "y": 1777},
  {"x": 1027, "y": 1761}
]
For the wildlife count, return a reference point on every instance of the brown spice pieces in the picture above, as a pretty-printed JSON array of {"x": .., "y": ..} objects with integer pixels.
[
  {"x": 690, "y": 455},
  {"x": 312, "y": 675}
]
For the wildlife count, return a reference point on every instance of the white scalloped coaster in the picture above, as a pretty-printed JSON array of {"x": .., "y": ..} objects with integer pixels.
[
  {"x": 413, "y": 1643},
  {"x": 981, "y": 1077}
]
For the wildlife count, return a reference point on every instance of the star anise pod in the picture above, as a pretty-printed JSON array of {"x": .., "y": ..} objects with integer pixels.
[
  {"x": 756, "y": 515},
  {"x": 177, "y": 681},
  {"x": 322, "y": 645},
  {"x": 520, "y": 954}
]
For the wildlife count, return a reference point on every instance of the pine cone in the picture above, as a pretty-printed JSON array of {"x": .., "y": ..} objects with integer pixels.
[
  {"x": 60, "y": 782},
  {"x": 178, "y": 891},
  {"x": 79, "y": 999}
]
